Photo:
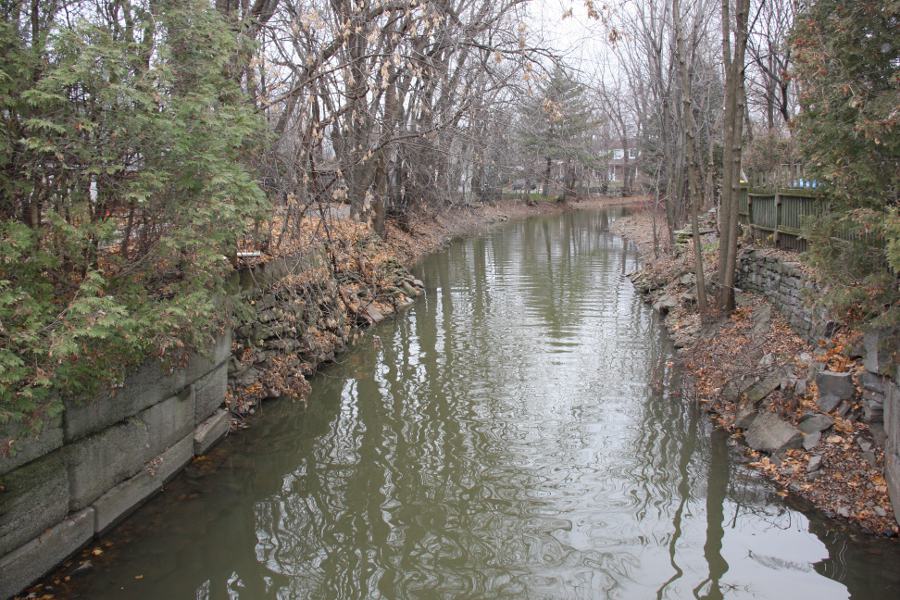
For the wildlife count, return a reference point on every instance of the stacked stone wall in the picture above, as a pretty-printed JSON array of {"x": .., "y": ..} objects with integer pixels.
[
  {"x": 881, "y": 381},
  {"x": 789, "y": 289},
  {"x": 798, "y": 297}
]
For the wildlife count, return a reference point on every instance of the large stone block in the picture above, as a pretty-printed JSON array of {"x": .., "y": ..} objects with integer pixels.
[
  {"x": 98, "y": 462},
  {"x": 121, "y": 500},
  {"x": 770, "y": 433},
  {"x": 209, "y": 392},
  {"x": 173, "y": 459},
  {"x": 873, "y": 383},
  {"x": 892, "y": 475},
  {"x": 148, "y": 385},
  {"x": 34, "y": 497},
  {"x": 873, "y": 407},
  {"x": 211, "y": 431},
  {"x": 169, "y": 421},
  {"x": 18, "y": 445},
  {"x": 892, "y": 417},
  {"x": 759, "y": 390},
  {"x": 880, "y": 349},
  {"x": 29, "y": 562},
  {"x": 209, "y": 358},
  {"x": 736, "y": 387},
  {"x": 839, "y": 385},
  {"x": 815, "y": 423}
]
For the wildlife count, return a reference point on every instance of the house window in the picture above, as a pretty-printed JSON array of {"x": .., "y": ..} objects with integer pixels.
[
  {"x": 618, "y": 154},
  {"x": 632, "y": 153}
]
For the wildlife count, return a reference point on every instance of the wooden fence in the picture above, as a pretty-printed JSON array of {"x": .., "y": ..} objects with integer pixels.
[{"x": 779, "y": 214}]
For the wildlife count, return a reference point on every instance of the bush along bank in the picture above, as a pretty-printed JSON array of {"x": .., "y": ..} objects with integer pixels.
[{"x": 818, "y": 419}]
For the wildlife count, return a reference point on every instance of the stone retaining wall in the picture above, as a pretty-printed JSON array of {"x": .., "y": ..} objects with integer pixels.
[
  {"x": 98, "y": 460},
  {"x": 299, "y": 324},
  {"x": 880, "y": 367},
  {"x": 796, "y": 295},
  {"x": 790, "y": 290}
]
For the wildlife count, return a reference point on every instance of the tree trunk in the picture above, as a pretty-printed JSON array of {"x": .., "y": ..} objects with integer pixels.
[
  {"x": 733, "y": 120},
  {"x": 381, "y": 191},
  {"x": 546, "y": 189},
  {"x": 690, "y": 158},
  {"x": 653, "y": 215},
  {"x": 569, "y": 184}
]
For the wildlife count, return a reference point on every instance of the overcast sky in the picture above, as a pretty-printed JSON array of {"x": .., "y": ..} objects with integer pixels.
[{"x": 580, "y": 39}]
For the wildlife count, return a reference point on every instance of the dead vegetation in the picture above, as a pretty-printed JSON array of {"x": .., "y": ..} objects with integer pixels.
[
  {"x": 334, "y": 279},
  {"x": 752, "y": 363}
]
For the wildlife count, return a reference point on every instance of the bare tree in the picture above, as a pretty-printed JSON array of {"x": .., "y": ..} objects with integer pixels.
[
  {"x": 685, "y": 52},
  {"x": 769, "y": 51},
  {"x": 734, "y": 45}
]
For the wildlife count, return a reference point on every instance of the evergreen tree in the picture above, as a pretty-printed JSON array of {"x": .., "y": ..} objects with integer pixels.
[
  {"x": 848, "y": 65},
  {"x": 848, "y": 70},
  {"x": 555, "y": 125},
  {"x": 121, "y": 191}
]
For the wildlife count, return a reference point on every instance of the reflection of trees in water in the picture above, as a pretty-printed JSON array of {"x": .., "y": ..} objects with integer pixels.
[
  {"x": 853, "y": 557},
  {"x": 397, "y": 493},
  {"x": 664, "y": 445},
  {"x": 670, "y": 438},
  {"x": 565, "y": 263},
  {"x": 407, "y": 468},
  {"x": 716, "y": 490},
  {"x": 686, "y": 450}
]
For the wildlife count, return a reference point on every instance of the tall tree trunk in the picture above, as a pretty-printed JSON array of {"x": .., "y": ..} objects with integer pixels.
[
  {"x": 733, "y": 120},
  {"x": 653, "y": 212},
  {"x": 690, "y": 158},
  {"x": 569, "y": 183},
  {"x": 710, "y": 193},
  {"x": 727, "y": 144},
  {"x": 381, "y": 191}
]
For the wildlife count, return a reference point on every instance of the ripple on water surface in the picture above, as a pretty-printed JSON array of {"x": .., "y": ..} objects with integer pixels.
[{"x": 519, "y": 433}]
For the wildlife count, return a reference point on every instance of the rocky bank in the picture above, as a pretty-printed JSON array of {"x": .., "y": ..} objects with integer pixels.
[
  {"x": 302, "y": 308},
  {"x": 809, "y": 405}
]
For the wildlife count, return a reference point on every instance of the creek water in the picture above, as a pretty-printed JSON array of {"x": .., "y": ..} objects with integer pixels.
[{"x": 519, "y": 432}]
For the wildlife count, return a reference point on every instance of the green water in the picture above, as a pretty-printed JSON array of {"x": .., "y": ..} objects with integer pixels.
[{"x": 520, "y": 432}]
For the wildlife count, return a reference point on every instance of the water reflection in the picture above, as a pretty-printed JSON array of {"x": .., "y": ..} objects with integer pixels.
[{"x": 519, "y": 433}]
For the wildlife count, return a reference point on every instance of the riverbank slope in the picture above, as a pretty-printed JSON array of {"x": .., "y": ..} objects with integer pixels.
[
  {"x": 308, "y": 306},
  {"x": 804, "y": 408}
]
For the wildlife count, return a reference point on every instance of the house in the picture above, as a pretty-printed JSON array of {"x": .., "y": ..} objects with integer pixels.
[{"x": 616, "y": 167}]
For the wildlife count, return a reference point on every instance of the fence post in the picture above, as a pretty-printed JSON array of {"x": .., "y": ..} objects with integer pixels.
[
  {"x": 777, "y": 216},
  {"x": 750, "y": 213}
]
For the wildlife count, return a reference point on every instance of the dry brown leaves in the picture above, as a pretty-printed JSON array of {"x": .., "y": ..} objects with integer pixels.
[{"x": 849, "y": 482}]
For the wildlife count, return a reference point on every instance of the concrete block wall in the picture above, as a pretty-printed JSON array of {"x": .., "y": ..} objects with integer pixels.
[{"x": 100, "y": 459}]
